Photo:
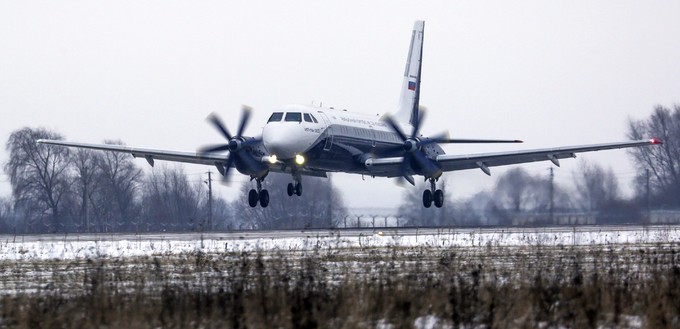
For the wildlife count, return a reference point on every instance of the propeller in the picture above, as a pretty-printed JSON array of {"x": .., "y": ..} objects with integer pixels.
[
  {"x": 412, "y": 146},
  {"x": 236, "y": 144}
]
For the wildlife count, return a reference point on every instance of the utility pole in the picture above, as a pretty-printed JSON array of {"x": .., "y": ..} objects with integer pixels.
[
  {"x": 647, "y": 197},
  {"x": 210, "y": 205},
  {"x": 552, "y": 196}
]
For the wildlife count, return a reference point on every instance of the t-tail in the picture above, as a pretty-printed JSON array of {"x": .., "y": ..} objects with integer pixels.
[{"x": 410, "y": 88}]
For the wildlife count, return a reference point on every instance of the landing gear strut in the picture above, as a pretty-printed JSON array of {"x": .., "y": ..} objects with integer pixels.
[
  {"x": 433, "y": 194},
  {"x": 260, "y": 195}
]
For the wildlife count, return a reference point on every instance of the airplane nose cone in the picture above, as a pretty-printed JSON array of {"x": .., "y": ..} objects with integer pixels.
[{"x": 281, "y": 140}]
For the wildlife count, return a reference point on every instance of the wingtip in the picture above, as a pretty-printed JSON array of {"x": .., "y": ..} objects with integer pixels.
[
  {"x": 655, "y": 141},
  {"x": 519, "y": 141}
]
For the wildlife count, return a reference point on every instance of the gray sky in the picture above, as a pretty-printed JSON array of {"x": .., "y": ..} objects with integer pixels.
[{"x": 553, "y": 73}]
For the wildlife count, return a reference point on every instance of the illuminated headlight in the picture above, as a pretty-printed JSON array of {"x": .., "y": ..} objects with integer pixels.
[
  {"x": 272, "y": 159},
  {"x": 299, "y": 159}
]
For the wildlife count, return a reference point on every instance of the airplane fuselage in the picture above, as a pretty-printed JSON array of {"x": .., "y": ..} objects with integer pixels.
[{"x": 330, "y": 139}]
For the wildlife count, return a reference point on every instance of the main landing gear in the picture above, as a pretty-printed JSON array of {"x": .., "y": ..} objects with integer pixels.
[
  {"x": 433, "y": 194},
  {"x": 258, "y": 195}
]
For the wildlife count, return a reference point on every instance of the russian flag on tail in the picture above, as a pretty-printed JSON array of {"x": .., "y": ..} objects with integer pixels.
[{"x": 411, "y": 85}]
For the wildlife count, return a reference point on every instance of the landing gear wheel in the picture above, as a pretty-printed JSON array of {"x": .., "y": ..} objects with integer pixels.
[
  {"x": 291, "y": 189},
  {"x": 264, "y": 198},
  {"x": 298, "y": 189},
  {"x": 253, "y": 198},
  {"x": 438, "y": 198},
  {"x": 427, "y": 198}
]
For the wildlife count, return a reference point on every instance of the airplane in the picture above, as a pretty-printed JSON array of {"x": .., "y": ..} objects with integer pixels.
[{"x": 304, "y": 140}]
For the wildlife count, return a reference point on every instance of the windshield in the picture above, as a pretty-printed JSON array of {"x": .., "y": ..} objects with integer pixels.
[
  {"x": 294, "y": 116},
  {"x": 276, "y": 117}
]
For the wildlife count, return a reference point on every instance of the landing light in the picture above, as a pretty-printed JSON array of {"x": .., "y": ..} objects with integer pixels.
[
  {"x": 272, "y": 159},
  {"x": 299, "y": 159}
]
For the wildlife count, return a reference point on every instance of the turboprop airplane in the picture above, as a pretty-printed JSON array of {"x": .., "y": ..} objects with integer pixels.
[{"x": 312, "y": 141}]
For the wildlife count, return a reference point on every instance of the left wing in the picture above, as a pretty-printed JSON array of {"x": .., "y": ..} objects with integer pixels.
[{"x": 485, "y": 160}]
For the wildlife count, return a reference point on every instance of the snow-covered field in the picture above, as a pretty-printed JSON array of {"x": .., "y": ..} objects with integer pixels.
[{"x": 104, "y": 246}]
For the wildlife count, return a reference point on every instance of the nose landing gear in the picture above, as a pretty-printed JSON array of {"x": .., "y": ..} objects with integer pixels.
[
  {"x": 261, "y": 195},
  {"x": 296, "y": 187},
  {"x": 433, "y": 194}
]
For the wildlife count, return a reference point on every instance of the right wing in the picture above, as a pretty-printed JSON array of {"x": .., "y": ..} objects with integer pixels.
[
  {"x": 149, "y": 154},
  {"x": 218, "y": 160}
]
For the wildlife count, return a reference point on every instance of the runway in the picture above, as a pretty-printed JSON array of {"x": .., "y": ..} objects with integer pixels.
[
  {"x": 335, "y": 233},
  {"x": 114, "y": 245}
]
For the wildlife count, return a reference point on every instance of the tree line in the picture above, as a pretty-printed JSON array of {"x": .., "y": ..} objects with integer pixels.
[{"x": 57, "y": 189}]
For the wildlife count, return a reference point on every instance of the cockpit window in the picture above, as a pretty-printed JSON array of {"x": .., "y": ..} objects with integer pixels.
[
  {"x": 294, "y": 116},
  {"x": 307, "y": 117},
  {"x": 276, "y": 117},
  {"x": 314, "y": 119}
]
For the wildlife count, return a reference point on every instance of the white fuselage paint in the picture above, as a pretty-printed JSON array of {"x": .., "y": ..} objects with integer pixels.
[{"x": 339, "y": 140}]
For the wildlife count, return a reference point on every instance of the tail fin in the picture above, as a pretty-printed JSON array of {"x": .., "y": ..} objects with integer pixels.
[{"x": 410, "y": 88}]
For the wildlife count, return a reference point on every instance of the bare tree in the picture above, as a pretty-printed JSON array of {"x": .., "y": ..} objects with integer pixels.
[
  {"x": 663, "y": 161},
  {"x": 38, "y": 174},
  {"x": 319, "y": 206},
  {"x": 518, "y": 191},
  {"x": 118, "y": 180},
  {"x": 7, "y": 223},
  {"x": 85, "y": 166},
  {"x": 223, "y": 215},
  {"x": 596, "y": 187},
  {"x": 171, "y": 201}
]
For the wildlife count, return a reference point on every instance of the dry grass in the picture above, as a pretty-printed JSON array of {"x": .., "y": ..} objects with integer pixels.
[{"x": 495, "y": 287}]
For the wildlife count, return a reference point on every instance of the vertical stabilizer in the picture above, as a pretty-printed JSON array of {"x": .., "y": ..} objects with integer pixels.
[{"x": 410, "y": 88}]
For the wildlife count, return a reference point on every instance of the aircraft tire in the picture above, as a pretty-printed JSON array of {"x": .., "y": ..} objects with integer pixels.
[
  {"x": 291, "y": 189},
  {"x": 298, "y": 189},
  {"x": 253, "y": 198},
  {"x": 264, "y": 198},
  {"x": 438, "y": 198},
  {"x": 427, "y": 198}
]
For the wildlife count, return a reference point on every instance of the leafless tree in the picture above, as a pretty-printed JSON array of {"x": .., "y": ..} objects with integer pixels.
[
  {"x": 118, "y": 180},
  {"x": 169, "y": 199},
  {"x": 596, "y": 187},
  {"x": 662, "y": 162},
  {"x": 38, "y": 174},
  {"x": 518, "y": 191},
  {"x": 320, "y": 205},
  {"x": 85, "y": 167},
  {"x": 7, "y": 223}
]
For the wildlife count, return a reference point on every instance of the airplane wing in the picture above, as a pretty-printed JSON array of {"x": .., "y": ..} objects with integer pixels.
[
  {"x": 212, "y": 159},
  {"x": 485, "y": 160},
  {"x": 149, "y": 154}
]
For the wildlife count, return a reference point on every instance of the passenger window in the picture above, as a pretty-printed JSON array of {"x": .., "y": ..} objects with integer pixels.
[
  {"x": 294, "y": 116},
  {"x": 276, "y": 117},
  {"x": 307, "y": 117},
  {"x": 313, "y": 118}
]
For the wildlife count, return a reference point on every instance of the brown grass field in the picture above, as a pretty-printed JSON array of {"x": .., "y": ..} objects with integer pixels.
[{"x": 601, "y": 286}]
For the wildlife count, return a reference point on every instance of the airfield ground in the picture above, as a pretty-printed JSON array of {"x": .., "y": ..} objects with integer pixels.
[{"x": 520, "y": 278}]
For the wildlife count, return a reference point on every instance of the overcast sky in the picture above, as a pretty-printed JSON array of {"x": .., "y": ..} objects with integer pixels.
[{"x": 553, "y": 73}]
